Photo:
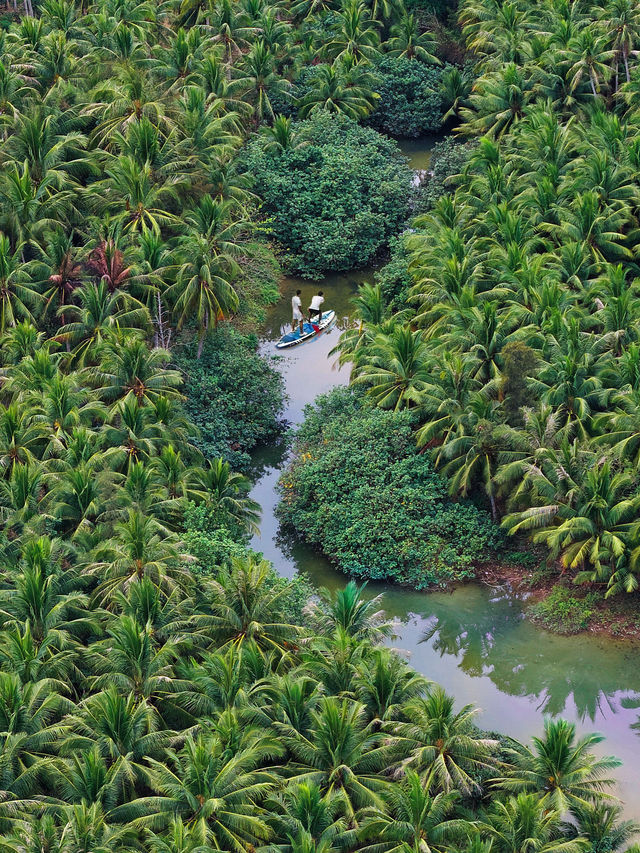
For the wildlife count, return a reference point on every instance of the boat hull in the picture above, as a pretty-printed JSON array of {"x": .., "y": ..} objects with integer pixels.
[{"x": 294, "y": 339}]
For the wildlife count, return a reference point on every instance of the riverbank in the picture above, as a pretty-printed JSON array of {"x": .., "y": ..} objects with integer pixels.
[{"x": 562, "y": 607}]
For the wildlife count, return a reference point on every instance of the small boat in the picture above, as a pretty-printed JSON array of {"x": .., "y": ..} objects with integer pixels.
[{"x": 309, "y": 330}]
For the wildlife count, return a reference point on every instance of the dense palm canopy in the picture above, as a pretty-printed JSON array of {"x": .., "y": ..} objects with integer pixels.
[
  {"x": 515, "y": 344},
  {"x": 161, "y": 688}
]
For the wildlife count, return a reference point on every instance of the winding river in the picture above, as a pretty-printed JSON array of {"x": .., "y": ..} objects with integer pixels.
[{"x": 475, "y": 641}]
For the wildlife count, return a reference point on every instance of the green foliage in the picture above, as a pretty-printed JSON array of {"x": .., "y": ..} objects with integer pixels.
[
  {"x": 234, "y": 396},
  {"x": 335, "y": 198},
  {"x": 520, "y": 363},
  {"x": 448, "y": 159},
  {"x": 563, "y": 612},
  {"x": 215, "y": 543},
  {"x": 410, "y": 102},
  {"x": 259, "y": 286},
  {"x": 394, "y": 278},
  {"x": 161, "y": 690},
  {"x": 518, "y": 342},
  {"x": 384, "y": 512}
]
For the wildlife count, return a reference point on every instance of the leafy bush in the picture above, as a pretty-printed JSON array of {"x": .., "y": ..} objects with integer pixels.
[
  {"x": 259, "y": 285},
  {"x": 334, "y": 201},
  {"x": 563, "y": 612},
  {"x": 234, "y": 396},
  {"x": 359, "y": 489},
  {"x": 410, "y": 101}
]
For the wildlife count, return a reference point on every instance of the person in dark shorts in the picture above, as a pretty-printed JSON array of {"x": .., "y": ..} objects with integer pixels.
[{"x": 315, "y": 309}]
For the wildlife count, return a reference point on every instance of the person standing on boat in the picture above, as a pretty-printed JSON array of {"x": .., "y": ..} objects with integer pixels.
[
  {"x": 315, "y": 309},
  {"x": 296, "y": 309}
]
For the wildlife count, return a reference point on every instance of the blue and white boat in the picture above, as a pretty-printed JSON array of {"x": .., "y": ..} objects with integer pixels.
[{"x": 309, "y": 330}]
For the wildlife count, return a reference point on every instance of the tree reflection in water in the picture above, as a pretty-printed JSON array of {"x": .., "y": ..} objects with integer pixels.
[{"x": 489, "y": 635}]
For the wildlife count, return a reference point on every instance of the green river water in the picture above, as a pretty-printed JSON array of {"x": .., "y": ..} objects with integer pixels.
[{"x": 475, "y": 641}]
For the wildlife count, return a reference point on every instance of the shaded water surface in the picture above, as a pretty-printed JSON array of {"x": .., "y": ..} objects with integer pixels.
[
  {"x": 418, "y": 150},
  {"x": 474, "y": 641}
]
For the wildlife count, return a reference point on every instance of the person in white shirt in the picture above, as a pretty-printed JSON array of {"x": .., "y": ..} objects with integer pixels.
[
  {"x": 296, "y": 310},
  {"x": 315, "y": 309}
]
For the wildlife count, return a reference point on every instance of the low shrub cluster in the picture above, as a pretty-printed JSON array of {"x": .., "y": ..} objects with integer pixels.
[
  {"x": 448, "y": 158},
  {"x": 359, "y": 489},
  {"x": 333, "y": 196},
  {"x": 234, "y": 396},
  {"x": 410, "y": 102},
  {"x": 563, "y": 612}
]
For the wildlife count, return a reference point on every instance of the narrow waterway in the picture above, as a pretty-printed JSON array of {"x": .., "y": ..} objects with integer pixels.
[{"x": 474, "y": 641}]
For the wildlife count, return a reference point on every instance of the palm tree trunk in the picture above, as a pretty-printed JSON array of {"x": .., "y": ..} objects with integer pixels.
[
  {"x": 593, "y": 88},
  {"x": 626, "y": 65},
  {"x": 205, "y": 326},
  {"x": 494, "y": 506}
]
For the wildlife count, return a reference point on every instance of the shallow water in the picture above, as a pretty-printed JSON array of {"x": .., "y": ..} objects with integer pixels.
[
  {"x": 474, "y": 641},
  {"x": 419, "y": 150}
]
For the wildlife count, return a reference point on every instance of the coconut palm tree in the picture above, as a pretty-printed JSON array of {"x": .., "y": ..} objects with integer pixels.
[
  {"x": 31, "y": 208},
  {"x": 129, "y": 659},
  {"x": 414, "y": 819},
  {"x": 139, "y": 550},
  {"x": 522, "y": 822},
  {"x": 20, "y": 495},
  {"x": 445, "y": 745},
  {"x": 340, "y": 754},
  {"x": 396, "y": 371},
  {"x": 622, "y": 22},
  {"x": 497, "y": 102},
  {"x": 204, "y": 288},
  {"x": 53, "y": 658},
  {"x": 107, "y": 263},
  {"x": 355, "y": 38},
  {"x": 48, "y": 604},
  {"x": 227, "y": 494},
  {"x": 384, "y": 685},
  {"x": 337, "y": 91},
  {"x": 122, "y": 730},
  {"x": 129, "y": 369},
  {"x": 587, "y": 520},
  {"x": 260, "y": 81},
  {"x": 231, "y": 28},
  {"x": 348, "y": 610},
  {"x": 244, "y": 608},
  {"x": 600, "y": 824},
  {"x": 302, "y": 815},
  {"x": 409, "y": 43},
  {"x": 18, "y": 297},
  {"x": 21, "y": 436},
  {"x": 30, "y": 723},
  {"x": 561, "y": 769},
  {"x": 58, "y": 271},
  {"x": 137, "y": 201},
  {"x": 209, "y": 791},
  {"x": 93, "y": 318},
  {"x": 588, "y": 58}
]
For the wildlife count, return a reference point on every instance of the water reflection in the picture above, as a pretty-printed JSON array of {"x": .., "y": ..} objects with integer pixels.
[{"x": 489, "y": 637}]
